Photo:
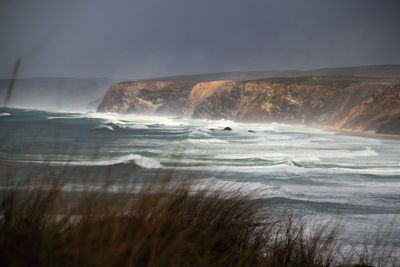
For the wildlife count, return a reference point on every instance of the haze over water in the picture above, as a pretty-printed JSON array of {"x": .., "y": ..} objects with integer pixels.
[{"x": 315, "y": 172}]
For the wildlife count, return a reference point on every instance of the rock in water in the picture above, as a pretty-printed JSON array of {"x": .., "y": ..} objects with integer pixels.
[
  {"x": 227, "y": 129},
  {"x": 251, "y": 131}
]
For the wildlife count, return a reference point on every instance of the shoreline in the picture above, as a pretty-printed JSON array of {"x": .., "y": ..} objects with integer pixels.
[
  {"x": 350, "y": 132},
  {"x": 367, "y": 134}
]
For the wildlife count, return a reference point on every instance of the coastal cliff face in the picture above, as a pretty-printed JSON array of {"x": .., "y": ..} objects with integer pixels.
[
  {"x": 367, "y": 104},
  {"x": 214, "y": 100},
  {"x": 345, "y": 103},
  {"x": 148, "y": 96},
  {"x": 379, "y": 112}
]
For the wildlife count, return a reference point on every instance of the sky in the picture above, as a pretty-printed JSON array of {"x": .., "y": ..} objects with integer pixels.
[{"x": 154, "y": 38}]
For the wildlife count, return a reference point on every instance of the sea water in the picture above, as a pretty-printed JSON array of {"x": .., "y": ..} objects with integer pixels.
[{"x": 321, "y": 174}]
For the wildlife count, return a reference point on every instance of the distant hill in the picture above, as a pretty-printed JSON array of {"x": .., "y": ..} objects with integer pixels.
[
  {"x": 55, "y": 93},
  {"x": 388, "y": 70}
]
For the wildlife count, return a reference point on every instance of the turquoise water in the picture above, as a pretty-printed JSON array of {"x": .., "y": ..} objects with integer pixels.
[{"x": 322, "y": 174}]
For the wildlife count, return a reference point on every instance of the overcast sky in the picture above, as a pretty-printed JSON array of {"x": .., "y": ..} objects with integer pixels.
[{"x": 148, "y": 38}]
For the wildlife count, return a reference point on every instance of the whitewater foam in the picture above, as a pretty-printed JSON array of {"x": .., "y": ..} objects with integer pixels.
[
  {"x": 139, "y": 160},
  {"x": 292, "y": 169},
  {"x": 211, "y": 141},
  {"x": 132, "y": 126},
  {"x": 198, "y": 133},
  {"x": 105, "y": 126},
  {"x": 3, "y": 114}
]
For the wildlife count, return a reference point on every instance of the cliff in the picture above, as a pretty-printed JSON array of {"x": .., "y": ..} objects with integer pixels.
[
  {"x": 147, "y": 96},
  {"x": 216, "y": 99},
  {"x": 366, "y": 104}
]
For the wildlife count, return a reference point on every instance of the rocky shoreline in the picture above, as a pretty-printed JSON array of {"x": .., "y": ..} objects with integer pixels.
[{"x": 363, "y": 104}]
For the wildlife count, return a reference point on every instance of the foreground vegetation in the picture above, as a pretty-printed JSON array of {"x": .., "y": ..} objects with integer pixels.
[{"x": 161, "y": 225}]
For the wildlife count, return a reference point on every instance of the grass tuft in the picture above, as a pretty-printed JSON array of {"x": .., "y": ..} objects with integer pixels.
[{"x": 159, "y": 225}]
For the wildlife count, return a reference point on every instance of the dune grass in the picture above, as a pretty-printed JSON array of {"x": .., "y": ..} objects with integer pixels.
[{"x": 162, "y": 224}]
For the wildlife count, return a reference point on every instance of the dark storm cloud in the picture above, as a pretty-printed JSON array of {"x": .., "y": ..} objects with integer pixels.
[{"x": 144, "y": 38}]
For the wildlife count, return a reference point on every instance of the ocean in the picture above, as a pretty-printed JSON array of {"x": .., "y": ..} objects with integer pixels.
[{"x": 326, "y": 176}]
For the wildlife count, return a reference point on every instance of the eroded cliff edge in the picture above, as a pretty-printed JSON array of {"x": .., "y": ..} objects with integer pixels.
[
  {"x": 367, "y": 104},
  {"x": 147, "y": 96}
]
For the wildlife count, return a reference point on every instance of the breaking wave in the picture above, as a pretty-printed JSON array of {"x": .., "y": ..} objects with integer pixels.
[
  {"x": 105, "y": 126},
  {"x": 210, "y": 141},
  {"x": 293, "y": 168},
  {"x": 139, "y": 160}
]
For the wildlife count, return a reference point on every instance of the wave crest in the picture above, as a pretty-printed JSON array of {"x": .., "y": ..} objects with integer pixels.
[
  {"x": 139, "y": 160},
  {"x": 105, "y": 126}
]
